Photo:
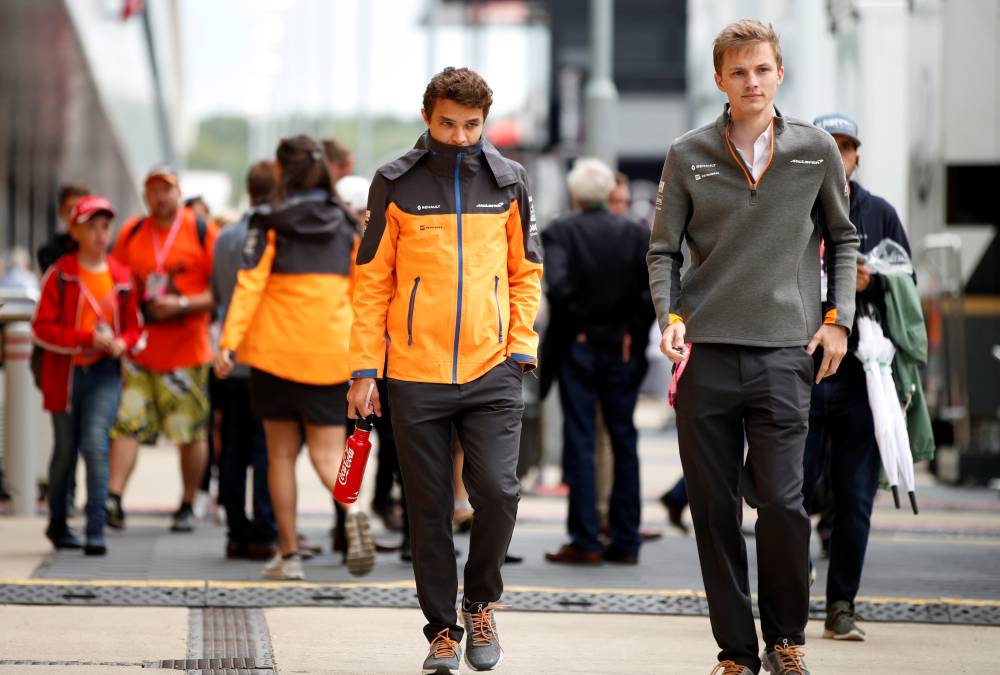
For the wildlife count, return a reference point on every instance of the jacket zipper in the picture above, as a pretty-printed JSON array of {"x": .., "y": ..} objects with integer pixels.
[
  {"x": 746, "y": 170},
  {"x": 458, "y": 310},
  {"x": 496, "y": 297},
  {"x": 409, "y": 315}
]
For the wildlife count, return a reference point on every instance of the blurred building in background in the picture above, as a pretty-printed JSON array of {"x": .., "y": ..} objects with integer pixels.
[
  {"x": 93, "y": 91},
  {"x": 90, "y": 91}
]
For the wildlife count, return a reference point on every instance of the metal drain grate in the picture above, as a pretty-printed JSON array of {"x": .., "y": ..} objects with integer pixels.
[
  {"x": 226, "y": 641},
  {"x": 216, "y": 597},
  {"x": 102, "y": 594}
]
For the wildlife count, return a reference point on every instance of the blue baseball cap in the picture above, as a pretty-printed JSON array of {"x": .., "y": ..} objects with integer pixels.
[{"x": 836, "y": 123}]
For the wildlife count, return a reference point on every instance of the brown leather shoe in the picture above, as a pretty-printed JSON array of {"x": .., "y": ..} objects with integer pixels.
[
  {"x": 570, "y": 555},
  {"x": 257, "y": 551},
  {"x": 613, "y": 554},
  {"x": 236, "y": 549}
]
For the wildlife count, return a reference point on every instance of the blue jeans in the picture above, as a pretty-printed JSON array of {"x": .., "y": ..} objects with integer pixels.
[
  {"x": 593, "y": 374},
  {"x": 840, "y": 422},
  {"x": 84, "y": 430},
  {"x": 678, "y": 493}
]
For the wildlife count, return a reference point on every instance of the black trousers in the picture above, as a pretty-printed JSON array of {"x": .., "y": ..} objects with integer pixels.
[
  {"x": 243, "y": 446},
  {"x": 729, "y": 392},
  {"x": 486, "y": 414},
  {"x": 840, "y": 422}
]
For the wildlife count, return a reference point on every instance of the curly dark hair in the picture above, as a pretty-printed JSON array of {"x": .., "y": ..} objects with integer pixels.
[{"x": 458, "y": 84}]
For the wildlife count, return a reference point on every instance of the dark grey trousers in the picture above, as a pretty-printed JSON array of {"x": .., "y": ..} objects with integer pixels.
[
  {"x": 486, "y": 413},
  {"x": 728, "y": 392}
]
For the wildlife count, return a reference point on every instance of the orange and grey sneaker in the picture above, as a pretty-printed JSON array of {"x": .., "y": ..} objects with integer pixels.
[
  {"x": 785, "y": 659},
  {"x": 482, "y": 644},
  {"x": 444, "y": 656},
  {"x": 730, "y": 668}
]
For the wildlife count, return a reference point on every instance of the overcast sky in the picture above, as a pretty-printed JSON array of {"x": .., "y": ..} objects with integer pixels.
[{"x": 306, "y": 56}]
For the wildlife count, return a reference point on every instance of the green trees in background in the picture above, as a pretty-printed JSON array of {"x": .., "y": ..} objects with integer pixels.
[{"x": 223, "y": 142}]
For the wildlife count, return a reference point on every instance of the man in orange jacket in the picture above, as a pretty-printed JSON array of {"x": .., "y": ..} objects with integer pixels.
[{"x": 450, "y": 270}]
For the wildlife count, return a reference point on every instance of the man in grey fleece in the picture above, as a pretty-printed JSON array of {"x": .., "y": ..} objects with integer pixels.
[{"x": 752, "y": 194}]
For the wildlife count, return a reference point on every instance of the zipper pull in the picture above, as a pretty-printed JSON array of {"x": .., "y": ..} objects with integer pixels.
[{"x": 753, "y": 196}]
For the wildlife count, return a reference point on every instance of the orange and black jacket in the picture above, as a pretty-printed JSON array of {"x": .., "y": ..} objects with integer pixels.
[
  {"x": 449, "y": 268},
  {"x": 290, "y": 314}
]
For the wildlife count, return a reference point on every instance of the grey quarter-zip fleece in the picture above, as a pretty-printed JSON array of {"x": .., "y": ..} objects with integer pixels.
[{"x": 754, "y": 277}]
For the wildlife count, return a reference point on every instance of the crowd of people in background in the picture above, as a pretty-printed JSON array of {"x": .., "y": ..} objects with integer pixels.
[
  {"x": 206, "y": 284},
  {"x": 325, "y": 301}
]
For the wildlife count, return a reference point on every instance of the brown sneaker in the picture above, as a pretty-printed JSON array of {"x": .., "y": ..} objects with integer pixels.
[
  {"x": 730, "y": 668},
  {"x": 570, "y": 555}
]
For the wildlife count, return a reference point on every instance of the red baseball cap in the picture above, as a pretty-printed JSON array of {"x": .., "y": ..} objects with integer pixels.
[{"x": 90, "y": 206}]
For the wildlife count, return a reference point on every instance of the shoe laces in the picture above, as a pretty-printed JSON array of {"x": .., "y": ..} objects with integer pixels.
[
  {"x": 727, "y": 668},
  {"x": 483, "y": 631},
  {"x": 442, "y": 646},
  {"x": 790, "y": 657}
]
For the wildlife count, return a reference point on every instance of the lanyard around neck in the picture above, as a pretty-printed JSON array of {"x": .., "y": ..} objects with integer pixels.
[
  {"x": 91, "y": 300},
  {"x": 160, "y": 253}
]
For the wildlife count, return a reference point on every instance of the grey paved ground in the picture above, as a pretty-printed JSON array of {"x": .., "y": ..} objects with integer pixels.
[{"x": 947, "y": 561}]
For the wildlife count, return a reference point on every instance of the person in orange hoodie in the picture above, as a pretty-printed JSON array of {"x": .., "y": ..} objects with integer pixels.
[
  {"x": 87, "y": 318},
  {"x": 290, "y": 321},
  {"x": 450, "y": 269}
]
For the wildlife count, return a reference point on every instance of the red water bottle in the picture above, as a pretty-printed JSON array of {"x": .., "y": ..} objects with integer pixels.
[{"x": 352, "y": 466}]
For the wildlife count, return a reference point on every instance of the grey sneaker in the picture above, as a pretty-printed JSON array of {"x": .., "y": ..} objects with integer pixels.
[
  {"x": 841, "y": 623},
  {"x": 444, "y": 656},
  {"x": 482, "y": 644},
  {"x": 285, "y": 569},
  {"x": 785, "y": 659},
  {"x": 360, "y": 545},
  {"x": 183, "y": 519},
  {"x": 730, "y": 668}
]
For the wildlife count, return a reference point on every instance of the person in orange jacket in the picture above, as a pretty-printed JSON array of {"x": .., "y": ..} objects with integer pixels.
[
  {"x": 450, "y": 270},
  {"x": 290, "y": 321},
  {"x": 87, "y": 318}
]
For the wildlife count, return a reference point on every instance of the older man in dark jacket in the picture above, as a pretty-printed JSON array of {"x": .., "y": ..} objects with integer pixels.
[{"x": 598, "y": 291}]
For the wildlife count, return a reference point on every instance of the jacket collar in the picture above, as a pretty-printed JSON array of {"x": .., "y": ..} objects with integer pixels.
[
  {"x": 69, "y": 269},
  {"x": 502, "y": 172},
  {"x": 725, "y": 119}
]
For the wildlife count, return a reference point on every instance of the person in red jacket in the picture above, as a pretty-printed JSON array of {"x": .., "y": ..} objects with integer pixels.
[{"x": 87, "y": 318}]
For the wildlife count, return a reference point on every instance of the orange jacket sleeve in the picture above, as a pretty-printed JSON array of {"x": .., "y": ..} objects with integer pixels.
[
  {"x": 524, "y": 270},
  {"x": 258, "y": 256},
  {"x": 374, "y": 281}
]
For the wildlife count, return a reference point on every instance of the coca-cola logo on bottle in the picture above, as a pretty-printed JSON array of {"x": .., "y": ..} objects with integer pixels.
[{"x": 345, "y": 466}]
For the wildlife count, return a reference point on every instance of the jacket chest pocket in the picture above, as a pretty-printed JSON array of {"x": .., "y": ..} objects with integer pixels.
[
  {"x": 485, "y": 238},
  {"x": 426, "y": 239}
]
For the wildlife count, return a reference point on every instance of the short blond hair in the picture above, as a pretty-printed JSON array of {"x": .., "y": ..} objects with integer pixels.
[{"x": 743, "y": 34}]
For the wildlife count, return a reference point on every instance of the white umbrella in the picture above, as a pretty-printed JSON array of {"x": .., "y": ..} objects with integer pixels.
[
  {"x": 904, "y": 456},
  {"x": 869, "y": 352}
]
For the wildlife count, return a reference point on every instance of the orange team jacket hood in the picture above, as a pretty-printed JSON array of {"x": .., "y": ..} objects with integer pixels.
[
  {"x": 291, "y": 310},
  {"x": 449, "y": 268}
]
